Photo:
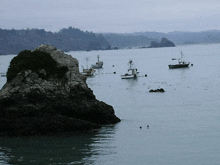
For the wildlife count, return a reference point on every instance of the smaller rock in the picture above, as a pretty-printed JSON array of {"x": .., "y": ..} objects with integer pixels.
[{"x": 157, "y": 90}]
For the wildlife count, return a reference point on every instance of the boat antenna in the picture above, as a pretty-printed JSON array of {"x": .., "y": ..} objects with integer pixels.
[
  {"x": 181, "y": 55},
  {"x": 98, "y": 58},
  {"x": 87, "y": 62}
]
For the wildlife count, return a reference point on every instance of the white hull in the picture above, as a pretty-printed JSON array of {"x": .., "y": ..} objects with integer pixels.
[
  {"x": 129, "y": 76},
  {"x": 97, "y": 65},
  {"x": 132, "y": 72}
]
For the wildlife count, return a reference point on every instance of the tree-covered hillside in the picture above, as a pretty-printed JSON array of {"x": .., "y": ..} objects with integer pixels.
[
  {"x": 179, "y": 38},
  {"x": 128, "y": 40},
  {"x": 144, "y": 39},
  {"x": 13, "y": 41},
  {"x": 71, "y": 39}
]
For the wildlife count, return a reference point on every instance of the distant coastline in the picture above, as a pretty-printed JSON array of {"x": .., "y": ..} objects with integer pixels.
[
  {"x": 178, "y": 38},
  {"x": 67, "y": 39},
  {"x": 73, "y": 39}
]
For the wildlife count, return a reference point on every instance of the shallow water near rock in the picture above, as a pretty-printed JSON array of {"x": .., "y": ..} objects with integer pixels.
[{"x": 184, "y": 121}]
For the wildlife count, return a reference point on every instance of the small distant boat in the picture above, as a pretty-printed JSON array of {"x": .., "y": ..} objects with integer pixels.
[
  {"x": 181, "y": 64},
  {"x": 98, "y": 64},
  {"x": 132, "y": 72},
  {"x": 3, "y": 74},
  {"x": 88, "y": 71}
]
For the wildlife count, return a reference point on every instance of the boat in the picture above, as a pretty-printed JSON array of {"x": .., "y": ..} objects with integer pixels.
[
  {"x": 181, "y": 64},
  {"x": 132, "y": 72},
  {"x": 3, "y": 74},
  {"x": 98, "y": 64},
  {"x": 88, "y": 71}
]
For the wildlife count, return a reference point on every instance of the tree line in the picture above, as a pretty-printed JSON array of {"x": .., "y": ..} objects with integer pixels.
[
  {"x": 67, "y": 39},
  {"x": 73, "y": 39}
]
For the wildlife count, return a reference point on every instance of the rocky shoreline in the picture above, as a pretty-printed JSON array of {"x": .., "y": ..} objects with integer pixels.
[{"x": 38, "y": 100}]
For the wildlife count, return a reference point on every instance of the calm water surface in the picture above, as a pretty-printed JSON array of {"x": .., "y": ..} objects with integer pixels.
[{"x": 184, "y": 122}]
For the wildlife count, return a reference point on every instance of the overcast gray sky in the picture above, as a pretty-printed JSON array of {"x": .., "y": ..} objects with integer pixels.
[{"x": 118, "y": 16}]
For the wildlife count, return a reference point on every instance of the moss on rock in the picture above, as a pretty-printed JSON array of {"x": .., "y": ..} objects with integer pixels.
[{"x": 35, "y": 61}]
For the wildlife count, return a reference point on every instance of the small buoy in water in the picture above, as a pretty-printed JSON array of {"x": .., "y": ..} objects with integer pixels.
[
  {"x": 145, "y": 75},
  {"x": 148, "y": 126},
  {"x": 140, "y": 127},
  {"x": 114, "y": 72},
  {"x": 191, "y": 64},
  {"x": 113, "y": 65}
]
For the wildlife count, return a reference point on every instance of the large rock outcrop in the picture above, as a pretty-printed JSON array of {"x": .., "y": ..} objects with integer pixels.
[
  {"x": 163, "y": 43},
  {"x": 45, "y": 95}
]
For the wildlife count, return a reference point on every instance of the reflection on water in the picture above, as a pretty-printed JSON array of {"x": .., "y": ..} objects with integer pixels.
[
  {"x": 56, "y": 150},
  {"x": 3, "y": 157},
  {"x": 103, "y": 144}
]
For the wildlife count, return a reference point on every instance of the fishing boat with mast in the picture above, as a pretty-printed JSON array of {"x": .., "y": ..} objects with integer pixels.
[
  {"x": 181, "y": 64},
  {"x": 132, "y": 72},
  {"x": 98, "y": 64}
]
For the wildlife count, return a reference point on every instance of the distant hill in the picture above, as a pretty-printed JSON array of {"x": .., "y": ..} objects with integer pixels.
[
  {"x": 13, "y": 41},
  {"x": 71, "y": 39},
  {"x": 180, "y": 38},
  {"x": 163, "y": 43},
  {"x": 144, "y": 39},
  {"x": 128, "y": 40}
]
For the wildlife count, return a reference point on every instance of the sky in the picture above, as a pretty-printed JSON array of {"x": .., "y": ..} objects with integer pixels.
[{"x": 114, "y": 16}]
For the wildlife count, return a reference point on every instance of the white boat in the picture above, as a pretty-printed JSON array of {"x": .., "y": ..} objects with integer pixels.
[
  {"x": 88, "y": 71},
  {"x": 181, "y": 64},
  {"x": 3, "y": 74},
  {"x": 98, "y": 64},
  {"x": 132, "y": 72}
]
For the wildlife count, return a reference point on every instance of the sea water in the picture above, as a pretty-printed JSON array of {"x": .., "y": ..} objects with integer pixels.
[{"x": 184, "y": 121}]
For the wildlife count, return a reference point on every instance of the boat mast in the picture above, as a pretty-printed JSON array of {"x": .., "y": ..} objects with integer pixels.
[
  {"x": 87, "y": 62},
  {"x": 130, "y": 63},
  {"x": 98, "y": 58},
  {"x": 181, "y": 55}
]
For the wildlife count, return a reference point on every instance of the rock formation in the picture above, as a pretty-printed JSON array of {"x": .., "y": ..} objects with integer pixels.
[
  {"x": 163, "y": 43},
  {"x": 157, "y": 90},
  {"x": 45, "y": 95}
]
